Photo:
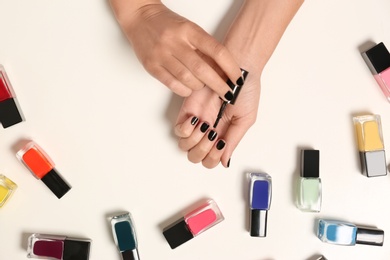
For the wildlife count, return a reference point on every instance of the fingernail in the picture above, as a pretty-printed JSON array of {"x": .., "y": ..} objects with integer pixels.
[
  {"x": 204, "y": 127},
  {"x": 228, "y": 163},
  {"x": 212, "y": 135},
  {"x": 240, "y": 81},
  {"x": 221, "y": 144},
  {"x": 229, "y": 96},
  {"x": 194, "y": 120}
]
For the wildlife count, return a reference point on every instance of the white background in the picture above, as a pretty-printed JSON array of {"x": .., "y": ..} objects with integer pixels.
[{"x": 107, "y": 125}]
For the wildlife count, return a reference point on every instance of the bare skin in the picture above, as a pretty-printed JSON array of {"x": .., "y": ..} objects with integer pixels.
[
  {"x": 250, "y": 42},
  {"x": 257, "y": 29},
  {"x": 170, "y": 48}
]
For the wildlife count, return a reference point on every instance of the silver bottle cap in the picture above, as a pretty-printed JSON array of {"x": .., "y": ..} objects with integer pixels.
[
  {"x": 258, "y": 223},
  {"x": 373, "y": 163},
  {"x": 370, "y": 236}
]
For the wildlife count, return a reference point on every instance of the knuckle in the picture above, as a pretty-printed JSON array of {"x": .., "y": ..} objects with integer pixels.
[
  {"x": 189, "y": 27},
  {"x": 184, "y": 75},
  {"x": 203, "y": 150},
  {"x": 165, "y": 35},
  {"x": 169, "y": 83},
  {"x": 177, "y": 88},
  {"x": 186, "y": 93},
  {"x": 198, "y": 68},
  {"x": 185, "y": 132},
  {"x": 219, "y": 50},
  {"x": 213, "y": 158},
  {"x": 149, "y": 64},
  {"x": 198, "y": 86},
  {"x": 178, "y": 132}
]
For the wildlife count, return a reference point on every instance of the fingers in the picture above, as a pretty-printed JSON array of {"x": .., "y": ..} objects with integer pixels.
[
  {"x": 166, "y": 78},
  {"x": 202, "y": 149},
  {"x": 186, "y": 128},
  {"x": 186, "y": 72},
  {"x": 214, "y": 156},
  {"x": 200, "y": 142},
  {"x": 221, "y": 151},
  {"x": 172, "y": 49},
  {"x": 200, "y": 69},
  {"x": 220, "y": 54},
  {"x": 183, "y": 74},
  {"x": 187, "y": 144}
]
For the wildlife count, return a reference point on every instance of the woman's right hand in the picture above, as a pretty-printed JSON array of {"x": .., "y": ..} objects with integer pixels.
[{"x": 174, "y": 50}]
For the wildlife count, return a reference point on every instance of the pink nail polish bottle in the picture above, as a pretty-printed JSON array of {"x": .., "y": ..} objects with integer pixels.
[
  {"x": 378, "y": 60},
  {"x": 193, "y": 224}
]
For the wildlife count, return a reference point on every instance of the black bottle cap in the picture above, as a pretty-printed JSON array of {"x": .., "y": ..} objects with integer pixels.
[
  {"x": 55, "y": 183},
  {"x": 379, "y": 57},
  {"x": 370, "y": 236},
  {"x": 236, "y": 88},
  {"x": 258, "y": 223},
  {"x": 9, "y": 113},
  {"x": 76, "y": 249},
  {"x": 177, "y": 233},
  {"x": 130, "y": 255},
  {"x": 310, "y": 164}
]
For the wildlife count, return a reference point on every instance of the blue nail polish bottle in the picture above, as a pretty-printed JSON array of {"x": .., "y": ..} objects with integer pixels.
[
  {"x": 259, "y": 202},
  {"x": 347, "y": 234}
]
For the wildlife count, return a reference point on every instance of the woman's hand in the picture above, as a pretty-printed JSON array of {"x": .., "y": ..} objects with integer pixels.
[
  {"x": 172, "y": 49},
  {"x": 252, "y": 38},
  {"x": 197, "y": 115}
]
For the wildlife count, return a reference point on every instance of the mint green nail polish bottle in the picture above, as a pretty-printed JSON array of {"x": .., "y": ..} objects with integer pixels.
[{"x": 310, "y": 187}]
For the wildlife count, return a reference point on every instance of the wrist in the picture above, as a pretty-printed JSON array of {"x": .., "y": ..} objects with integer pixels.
[
  {"x": 245, "y": 57},
  {"x": 126, "y": 11}
]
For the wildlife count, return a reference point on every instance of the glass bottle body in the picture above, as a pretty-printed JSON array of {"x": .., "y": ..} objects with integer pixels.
[{"x": 310, "y": 194}]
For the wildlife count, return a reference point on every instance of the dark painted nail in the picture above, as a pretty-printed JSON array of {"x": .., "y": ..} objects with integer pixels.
[
  {"x": 240, "y": 81},
  {"x": 229, "y": 95},
  {"x": 228, "y": 164},
  {"x": 221, "y": 144},
  {"x": 204, "y": 127},
  {"x": 194, "y": 120},
  {"x": 212, "y": 135}
]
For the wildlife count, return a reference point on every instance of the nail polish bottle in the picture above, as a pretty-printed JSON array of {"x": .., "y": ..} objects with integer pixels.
[
  {"x": 370, "y": 144},
  {"x": 9, "y": 111},
  {"x": 347, "y": 234},
  {"x": 260, "y": 192},
  {"x": 310, "y": 187},
  {"x": 124, "y": 236},
  {"x": 193, "y": 224},
  {"x": 58, "y": 247},
  {"x": 236, "y": 89},
  {"x": 42, "y": 167},
  {"x": 7, "y": 188},
  {"x": 378, "y": 60}
]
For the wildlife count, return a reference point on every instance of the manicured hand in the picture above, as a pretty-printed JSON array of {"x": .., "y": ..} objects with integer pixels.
[{"x": 211, "y": 146}]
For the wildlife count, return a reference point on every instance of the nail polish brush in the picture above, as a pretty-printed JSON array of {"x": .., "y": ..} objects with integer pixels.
[{"x": 236, "y": 90}]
